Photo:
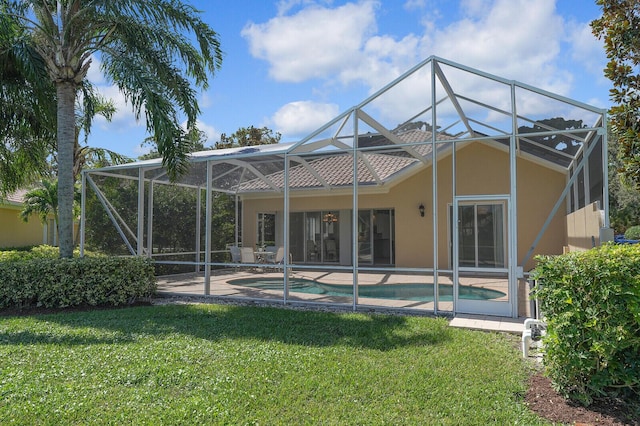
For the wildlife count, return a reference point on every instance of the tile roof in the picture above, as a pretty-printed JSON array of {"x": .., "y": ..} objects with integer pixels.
[
  {"x": 16, "y": 197},
  {"x": 336, "y": 170}
]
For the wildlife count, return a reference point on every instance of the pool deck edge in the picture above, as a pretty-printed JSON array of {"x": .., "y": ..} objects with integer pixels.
[{"x": 488, "y": 323}]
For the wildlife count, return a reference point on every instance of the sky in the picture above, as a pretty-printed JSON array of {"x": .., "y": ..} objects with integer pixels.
[{"x": 293, "y": 65}]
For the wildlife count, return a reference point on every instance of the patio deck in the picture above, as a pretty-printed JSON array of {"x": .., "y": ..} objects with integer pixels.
[{"x": 192, "y": 285}]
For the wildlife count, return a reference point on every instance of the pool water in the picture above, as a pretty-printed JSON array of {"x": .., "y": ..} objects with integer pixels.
[{"x": 403, "y": 291}]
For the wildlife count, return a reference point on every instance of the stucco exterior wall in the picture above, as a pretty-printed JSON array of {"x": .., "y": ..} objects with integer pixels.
[
  {"x": 481, "y": 170},
  {"x": 583, "y": 228},
  {"x": 16, "y": 233}
]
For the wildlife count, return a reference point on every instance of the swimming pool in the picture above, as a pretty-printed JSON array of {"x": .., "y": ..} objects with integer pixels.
[{"x": 402, "y": 291}]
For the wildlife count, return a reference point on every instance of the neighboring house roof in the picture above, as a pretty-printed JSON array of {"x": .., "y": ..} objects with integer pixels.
[{"x": 15, "y": 198}]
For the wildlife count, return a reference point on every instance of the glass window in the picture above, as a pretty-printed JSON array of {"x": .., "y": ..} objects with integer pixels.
[
  {"x": 266, "y": 229},
  {"x": 315, "y": 236},
  {"x": 481, "y": 235},
  {"x": 330, "y": 236}
]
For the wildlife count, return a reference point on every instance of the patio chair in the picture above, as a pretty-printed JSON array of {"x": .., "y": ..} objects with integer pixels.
[
  {"x": 246, "y": 255},
  {"x": 279, "y": 257},
  {"x": 236, "y": 256}
]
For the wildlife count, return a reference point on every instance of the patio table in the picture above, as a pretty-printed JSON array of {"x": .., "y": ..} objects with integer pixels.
[{"x": 264, "y": 256}]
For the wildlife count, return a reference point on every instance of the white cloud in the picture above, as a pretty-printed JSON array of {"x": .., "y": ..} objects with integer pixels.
[
  {"x": 516, "y": 39},
  {"x": 415, "y": 4},
  {"x": 212, "y": 134},
  {"x": 586, "y": 48},
  {"x": 301, "y": 118},
  {"x": 284, "y": 6},
  {"x": 141, "y": 150},
  {"x": 316, "y": 42},
  {"x": 524, "y": 40},
  {"x": 94, "y": 74},
  {"x": 474, "y": 7},
  {"x": 383, "y": 59},
  {"x": 123, "y": 118},
  {"x": 205, "y": 100}
]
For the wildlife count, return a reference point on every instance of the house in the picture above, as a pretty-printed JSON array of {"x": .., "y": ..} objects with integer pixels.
[
  {"x": 14, "y": 232},
  {"x": 448, "y": 178}
]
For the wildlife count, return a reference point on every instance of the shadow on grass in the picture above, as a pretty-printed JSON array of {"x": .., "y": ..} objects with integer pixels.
[{"x": 220, "y": 322}]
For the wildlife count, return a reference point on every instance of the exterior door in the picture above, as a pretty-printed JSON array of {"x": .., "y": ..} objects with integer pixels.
[{"x": 481, "y": 271}]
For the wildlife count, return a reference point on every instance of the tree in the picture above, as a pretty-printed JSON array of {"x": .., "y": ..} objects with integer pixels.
[
  {"x": 248, "y": 136},
  {"x": 619, "y": 26},
  {"x": 27, "y": 115},
  {"x": 566, "y": 142},
  {"x": 84, "y": 155},
  {"x": 144, "y": 51},
  {"x": 42, "y": 200},
  {"x": 623, "y": 199},
  {"x": 28, "y": 120},
  {"x": 197, "y": 138}
]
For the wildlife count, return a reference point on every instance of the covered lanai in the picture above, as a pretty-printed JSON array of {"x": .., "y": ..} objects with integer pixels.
[{"x": 435, "y": 193}]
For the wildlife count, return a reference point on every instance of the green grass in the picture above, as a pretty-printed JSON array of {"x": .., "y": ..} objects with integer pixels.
[{"x": 211, "y": 364}]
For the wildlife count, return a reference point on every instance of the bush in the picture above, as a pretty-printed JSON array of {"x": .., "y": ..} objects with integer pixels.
[
  {"x": 632, "y": 233},
  {"x": 88, "y": 281},
  {"x": 591, "y": 303},
  {"x": 37, "y": 252}
]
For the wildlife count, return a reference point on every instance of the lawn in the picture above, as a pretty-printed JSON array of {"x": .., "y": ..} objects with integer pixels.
[{"x": 223, "y": 364}]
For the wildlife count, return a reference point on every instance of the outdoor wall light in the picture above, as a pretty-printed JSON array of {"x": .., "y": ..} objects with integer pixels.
[
  {"x": 421, "y": 209},
  {"x": 330, "y": 218}
]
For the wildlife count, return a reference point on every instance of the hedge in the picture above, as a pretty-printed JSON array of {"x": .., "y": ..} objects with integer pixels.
[
  {"x": 633, "y": 233},
  {"x": 88, "y": 281},
  {"x": 591, "y": 303},
  {"x": 37, "y": 252}
]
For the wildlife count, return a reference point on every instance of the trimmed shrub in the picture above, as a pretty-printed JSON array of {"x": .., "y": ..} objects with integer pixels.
[
  {"x": 591, "y": 303},
  {"x": 633, "y": 233},
  {"x": 88, "y": 281},
  {"x": 37, "y": 252}
]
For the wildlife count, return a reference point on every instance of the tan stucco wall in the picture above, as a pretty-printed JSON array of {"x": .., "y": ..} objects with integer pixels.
[
  {"x": 481, "y": 170},
  {"x": 16, "y": 233},
  {"x": 583, "y": 228},
  {"x": 250, "y": 210},
  {"x": 538, "y": 190}
]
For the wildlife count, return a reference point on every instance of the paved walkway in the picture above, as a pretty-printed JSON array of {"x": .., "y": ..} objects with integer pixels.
[{"x": 488, "y": 323}]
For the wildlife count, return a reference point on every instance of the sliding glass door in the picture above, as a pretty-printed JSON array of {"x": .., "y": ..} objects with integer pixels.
[
  {"x": 481, "y": 271},
  {"x": 376, "y": 236},
  {"x": 315, "y": 236},
  {"x": 481, "y": 236}
]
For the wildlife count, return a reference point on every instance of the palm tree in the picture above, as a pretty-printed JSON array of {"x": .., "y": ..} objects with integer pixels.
[
  {"x": 27, "y": 115},
  {"x": 143, "y": 50},
  {"x": 42, "y": 201},
  {"x": 28, "y": 124},
  {"x": 84, "y": 155}
]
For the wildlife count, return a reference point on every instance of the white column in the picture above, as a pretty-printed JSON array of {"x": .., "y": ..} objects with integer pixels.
[
  {"x": 207, "y": 237},
  {"x": 140, "y": 231},
  {"x": 83, "y": 206},
  {"x": 150, "y": 222}
]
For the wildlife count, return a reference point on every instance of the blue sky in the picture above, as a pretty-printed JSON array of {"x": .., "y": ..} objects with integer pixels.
[{"x": 293, "y": 65}]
